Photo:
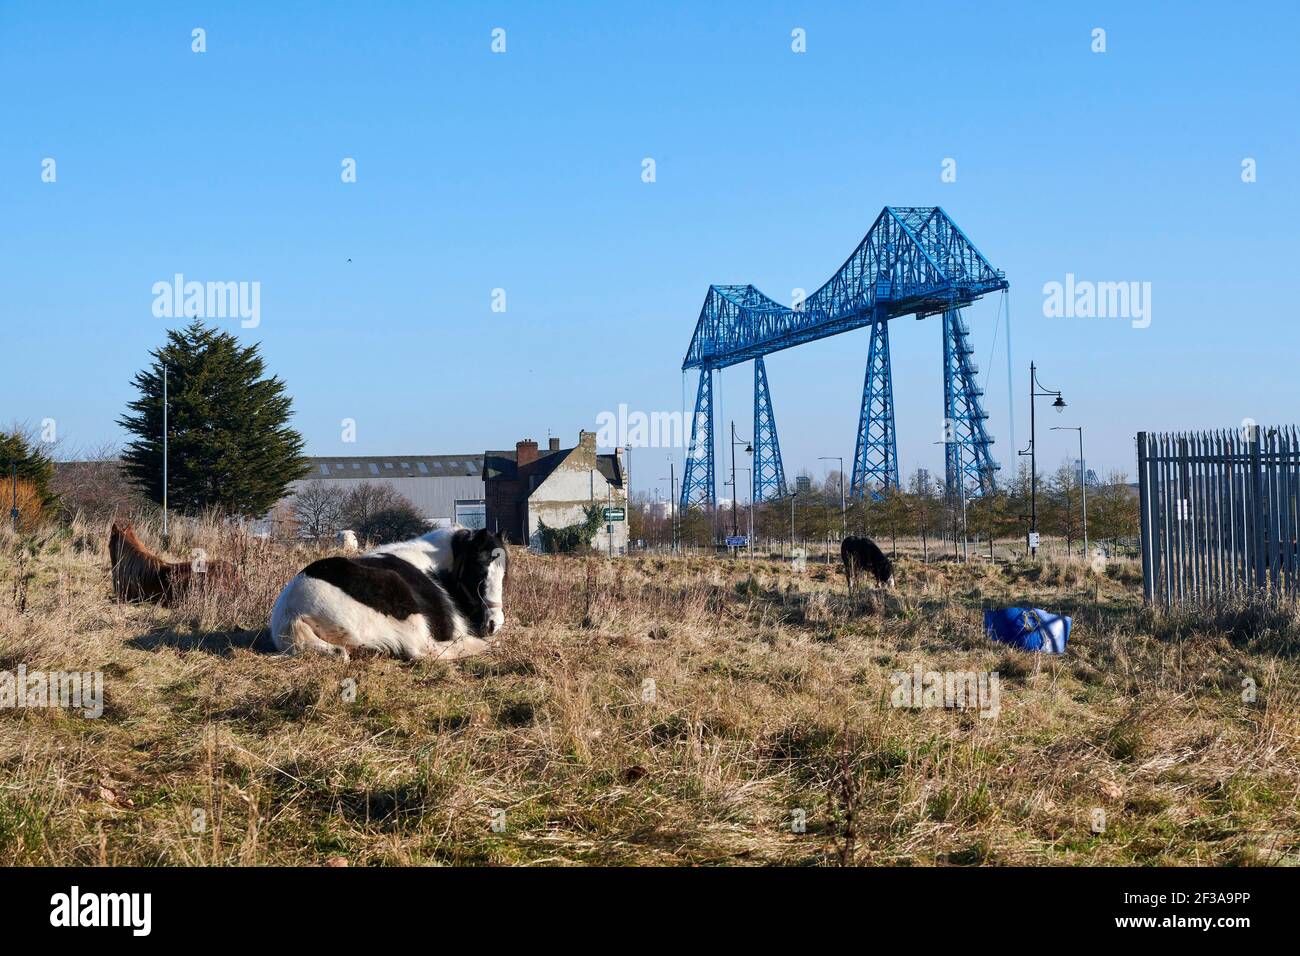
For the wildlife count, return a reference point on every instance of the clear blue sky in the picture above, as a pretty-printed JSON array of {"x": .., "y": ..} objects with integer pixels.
[{"x": 523, "y": 171}]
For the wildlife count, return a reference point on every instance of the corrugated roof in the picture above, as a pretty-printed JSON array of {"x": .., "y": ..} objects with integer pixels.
[{"x": 395, "y": 466}]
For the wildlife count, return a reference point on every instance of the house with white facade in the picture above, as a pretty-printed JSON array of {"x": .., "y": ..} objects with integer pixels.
[{"x": 556, "y": 486}]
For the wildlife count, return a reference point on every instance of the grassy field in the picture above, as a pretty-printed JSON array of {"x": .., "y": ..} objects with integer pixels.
[{"x": 650, "y": 711}]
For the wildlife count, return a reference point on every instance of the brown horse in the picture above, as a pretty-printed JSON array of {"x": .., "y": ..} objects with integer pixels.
[{"x": 141, "y": 575}]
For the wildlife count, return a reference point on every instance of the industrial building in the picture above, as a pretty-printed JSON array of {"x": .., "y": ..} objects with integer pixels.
[
  {"x": 527, "y": 486},
  {"x": 445, "y": 489}
]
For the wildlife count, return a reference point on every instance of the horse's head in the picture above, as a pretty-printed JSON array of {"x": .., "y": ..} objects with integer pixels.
[
  {"x": 479, "y": 566},
  {"x": 117, "y": 536}
]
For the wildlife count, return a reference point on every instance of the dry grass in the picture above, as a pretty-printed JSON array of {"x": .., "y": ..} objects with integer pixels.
[{"x": 770, "y": 696}]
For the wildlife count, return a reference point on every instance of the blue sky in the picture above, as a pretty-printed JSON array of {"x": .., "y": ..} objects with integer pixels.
[{"x": 522, "y": 171}]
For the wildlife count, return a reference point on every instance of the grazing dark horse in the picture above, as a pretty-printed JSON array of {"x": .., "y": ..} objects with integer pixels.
[
  {"x": 141, "y": 575},
  {"x": 861, "y": 554},
  {"x": 440, "y": 595}
]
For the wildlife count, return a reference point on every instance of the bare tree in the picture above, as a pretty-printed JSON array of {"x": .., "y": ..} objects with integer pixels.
[
  {"x": 317, "y": 507},
  {"x": 93, "y": 482},
  {"x": 1063, "y": 510}
]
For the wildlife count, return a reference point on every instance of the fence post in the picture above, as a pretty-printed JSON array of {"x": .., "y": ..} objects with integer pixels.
[
  {"x": 1259, "y": 570},
  {"x": 1148, "y": 543}
]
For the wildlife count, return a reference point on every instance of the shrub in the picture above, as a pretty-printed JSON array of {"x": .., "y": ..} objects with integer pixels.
[{"x": 571, "y": 538}]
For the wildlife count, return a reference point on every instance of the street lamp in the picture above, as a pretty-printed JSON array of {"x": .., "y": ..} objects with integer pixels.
[
  {"x": 748, "y": 473},
  {"x": 1036, "y": 390},
  {"x": 749, "y": 450},
  {"x": 164, "y": 463},
  {"x": 13, "y": 512},
  {"x": 793, "y": 495},
  {"x": 844, "y": 526},
  {"x": 1083, "y": 478},
  {"x": 749, "y": 478},
  {"x": 672, "y": 501}
]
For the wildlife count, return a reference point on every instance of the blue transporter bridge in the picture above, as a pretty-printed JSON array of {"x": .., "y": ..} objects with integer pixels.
[{"x": 914, "y": 260}]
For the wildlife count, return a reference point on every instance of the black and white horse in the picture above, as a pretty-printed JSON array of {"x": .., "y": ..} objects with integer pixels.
[
  {"x": 439, "y": 595},
  {"x": 862, "y": 554}
]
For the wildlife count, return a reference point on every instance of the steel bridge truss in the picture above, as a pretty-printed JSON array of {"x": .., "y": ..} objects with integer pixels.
[
  {"x": 914, "y": 260},
  {"x": 875, "y": 462},
  {"x": 768, "y": 473}
]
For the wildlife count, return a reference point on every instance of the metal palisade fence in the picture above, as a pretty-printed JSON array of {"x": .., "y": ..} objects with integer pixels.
[{"x": 1220, "y": 513}]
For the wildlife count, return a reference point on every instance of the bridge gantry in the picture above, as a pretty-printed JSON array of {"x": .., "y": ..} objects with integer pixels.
[{"x": 914, "y": 260}]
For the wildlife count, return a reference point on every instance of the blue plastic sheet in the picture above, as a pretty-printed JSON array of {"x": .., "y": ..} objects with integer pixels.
[{"x": 1030, "y": 629}]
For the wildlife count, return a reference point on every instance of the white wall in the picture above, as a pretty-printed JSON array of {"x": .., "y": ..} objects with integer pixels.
[{"x": 561, "y": 500}]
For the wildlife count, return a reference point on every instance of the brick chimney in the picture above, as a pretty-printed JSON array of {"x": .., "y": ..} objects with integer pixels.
[
  {"x": 587, "y": 440},
  {"x": 553, "y": 445},
  {"x": 525, "y": 452}
]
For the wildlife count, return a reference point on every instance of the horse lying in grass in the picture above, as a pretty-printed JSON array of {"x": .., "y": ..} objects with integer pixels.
[
  {"x": 862, "y": 554},
  {"x": 439, "y": 595},
  {"x": 141, "y": 575}
]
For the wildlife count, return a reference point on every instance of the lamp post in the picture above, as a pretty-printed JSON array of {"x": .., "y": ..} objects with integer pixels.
[
  {"x": 1083, "y": 478},
  {"x": 749, "y": 478},
  {"x": 654, "y": 526},
  {"x": 749, "y": 450},
  {"x": 844, "y": 527},
  {"x": 672, "y": 502},
  {"x": 1036, "y": 390},
  {"x": 164, "y": 487},
  {"x": 672, "y": 505},
  {"x": 793, "y": 495}
]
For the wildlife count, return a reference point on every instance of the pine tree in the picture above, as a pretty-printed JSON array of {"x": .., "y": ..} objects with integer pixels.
[{"x": 229, "y": 443}]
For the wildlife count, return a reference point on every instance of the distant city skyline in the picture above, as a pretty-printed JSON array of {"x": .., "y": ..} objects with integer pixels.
[{"x": 446, "y": 236}]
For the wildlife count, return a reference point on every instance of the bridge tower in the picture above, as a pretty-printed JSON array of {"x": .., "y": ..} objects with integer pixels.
[
  {"x": 768, "y": 472},
  {"x": 875, "y": 462},
  {"x": 697, "y": 480}
]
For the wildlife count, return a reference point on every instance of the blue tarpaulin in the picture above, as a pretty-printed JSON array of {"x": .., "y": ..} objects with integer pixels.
[{"x": 1029, "y": 629}]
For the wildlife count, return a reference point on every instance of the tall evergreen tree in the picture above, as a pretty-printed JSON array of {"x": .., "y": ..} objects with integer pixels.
[{"x": 229, "y": 443}]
